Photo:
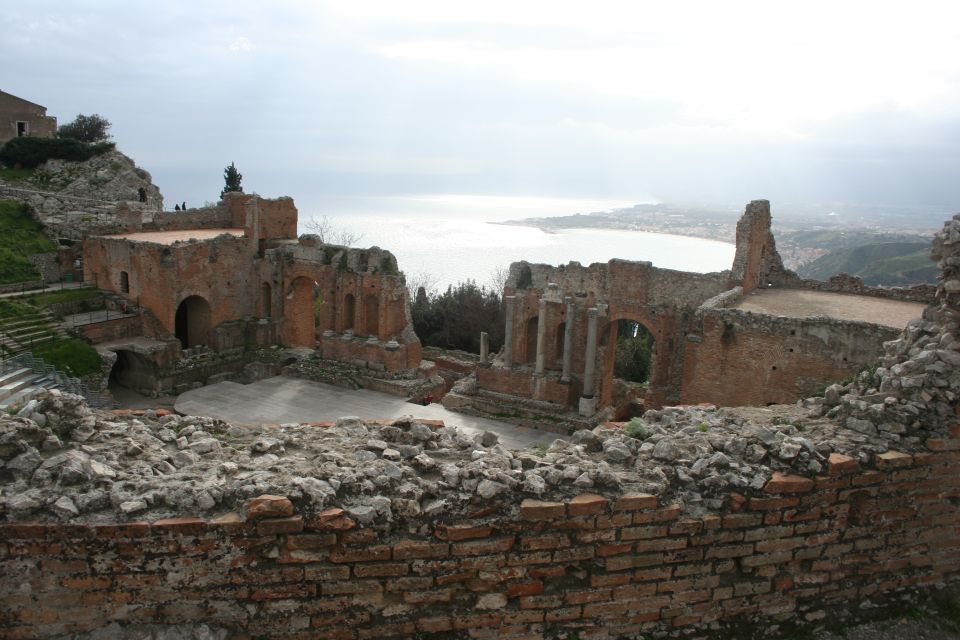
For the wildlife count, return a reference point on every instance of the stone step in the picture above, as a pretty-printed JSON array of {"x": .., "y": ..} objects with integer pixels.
[
  {"x": 13, "y": 387},
  {"x": 20, "y": 397},
  {"x": 14, "y": 374}
]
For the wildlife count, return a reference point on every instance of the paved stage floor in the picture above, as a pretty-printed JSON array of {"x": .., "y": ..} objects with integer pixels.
[
  {"x": 281, "y": 399},
  {"x": 803, "y": 303}
]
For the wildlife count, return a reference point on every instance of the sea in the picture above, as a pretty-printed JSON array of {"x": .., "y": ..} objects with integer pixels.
[{"x": 441, "y": 240}]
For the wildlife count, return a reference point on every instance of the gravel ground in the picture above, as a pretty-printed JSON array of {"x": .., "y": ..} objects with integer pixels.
[{"x": 903, "y": 629}]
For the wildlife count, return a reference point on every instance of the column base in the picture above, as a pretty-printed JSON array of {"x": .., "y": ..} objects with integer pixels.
[{"x": 588, "y": 406}]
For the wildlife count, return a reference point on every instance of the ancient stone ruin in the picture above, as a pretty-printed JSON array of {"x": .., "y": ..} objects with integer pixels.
[
  {"x": 695, "y": 521},
  {"x": 561, "y": 333}
]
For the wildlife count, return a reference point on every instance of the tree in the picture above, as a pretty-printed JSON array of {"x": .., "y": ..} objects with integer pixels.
[
  {"x": 329, "y": 233},
  {"x": 455, "y": 318},
  {"x": 633, "y": 354},
  {"x": 232, "y": 178},
  {"x": 86, "y": 128}
]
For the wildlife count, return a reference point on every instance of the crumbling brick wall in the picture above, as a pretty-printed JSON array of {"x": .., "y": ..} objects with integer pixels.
[
  {"x": 741, "y": 358},
  {"x": 799, "y": 550}
]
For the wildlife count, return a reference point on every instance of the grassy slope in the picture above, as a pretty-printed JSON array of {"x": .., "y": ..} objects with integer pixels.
[
  {"x": 884, "y": 263},
  {"x": 20, "y": 236}
]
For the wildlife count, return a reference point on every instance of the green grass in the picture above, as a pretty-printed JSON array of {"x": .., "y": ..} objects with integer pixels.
[
  {"x": 72, "y": 356},
  {"x": 65, "y": 295},
  {"x": 15, "y": 309},
  {"x": 20, "y": 236},
  {"x": 16, "y": 175}
]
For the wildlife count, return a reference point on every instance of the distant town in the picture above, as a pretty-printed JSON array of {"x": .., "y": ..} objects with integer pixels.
[{"x": 805, "y": 235}]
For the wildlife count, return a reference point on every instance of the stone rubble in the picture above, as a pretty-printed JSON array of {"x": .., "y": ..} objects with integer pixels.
[{"x": 60, "y": 460}]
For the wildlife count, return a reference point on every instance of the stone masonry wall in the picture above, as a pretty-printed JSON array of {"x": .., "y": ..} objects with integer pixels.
[{"x": 801, "y": 549}]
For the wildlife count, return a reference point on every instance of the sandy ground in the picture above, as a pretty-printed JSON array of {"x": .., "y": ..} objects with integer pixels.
[{"x": 797, "y": 303}]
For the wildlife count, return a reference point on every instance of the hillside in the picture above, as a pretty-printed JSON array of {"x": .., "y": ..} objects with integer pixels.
[
  {"x": 877, "y": 263},
  {"x": 20, "y": 236}
]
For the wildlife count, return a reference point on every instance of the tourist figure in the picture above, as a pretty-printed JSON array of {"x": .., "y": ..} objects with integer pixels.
[
  {"x": 176, "y": 207},
  {"x": 183, "y": 207}
]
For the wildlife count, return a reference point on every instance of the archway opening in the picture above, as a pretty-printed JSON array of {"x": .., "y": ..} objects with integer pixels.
[
  {"x": 371, "y": 311},
  {"x": 633, "y": 358},
  {"x": 265, "y": 301},
  {"x": 533, "y": 325},
  {"x": 132, "y": 375},
  {"x": 124, "y": 282},
  {"x": 299, "y": 314},
  {"x": 192, "y": 323},
  {"x": 349, "y": 307}
]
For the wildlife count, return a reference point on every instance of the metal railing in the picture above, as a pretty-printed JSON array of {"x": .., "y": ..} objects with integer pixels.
[{"x": 58, "y": 379}]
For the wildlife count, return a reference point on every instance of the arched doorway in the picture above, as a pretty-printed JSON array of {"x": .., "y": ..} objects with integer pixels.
[
  {"x": 371, "y": 312},
  {"x": 192, "y": 323},
  {"x": 132, "y": 371},
  {"x": 300, "y": 314},
  {"x": 631, "y": 364}
]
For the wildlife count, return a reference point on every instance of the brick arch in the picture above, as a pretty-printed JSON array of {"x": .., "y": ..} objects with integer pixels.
[
  {"x": 661, "y": 358},
  {"x": 192, "y": 321},
  {"x": 298, "y": 313}
]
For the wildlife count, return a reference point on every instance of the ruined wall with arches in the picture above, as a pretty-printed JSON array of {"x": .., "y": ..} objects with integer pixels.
[{"x": 697, "y": 356}]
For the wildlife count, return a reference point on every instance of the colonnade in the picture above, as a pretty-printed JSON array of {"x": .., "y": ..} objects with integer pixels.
[{"x": 587, "y": 400}]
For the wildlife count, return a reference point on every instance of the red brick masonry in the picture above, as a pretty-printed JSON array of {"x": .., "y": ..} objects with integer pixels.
[{"x": 592, "y": 566}]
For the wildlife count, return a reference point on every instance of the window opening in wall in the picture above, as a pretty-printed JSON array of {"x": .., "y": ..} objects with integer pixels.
[
  {"x": 23, "y": 129},
  {"x": 124, "y": 282}
]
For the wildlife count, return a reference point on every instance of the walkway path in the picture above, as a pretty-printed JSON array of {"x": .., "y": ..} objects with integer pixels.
[{"x": 281, "y": 399}]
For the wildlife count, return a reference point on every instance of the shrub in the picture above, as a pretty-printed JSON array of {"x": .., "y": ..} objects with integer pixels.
[
  {"x": 455, "y": 318},
  {"x": 637, "y": 428},
  {"x": 31, "y": 152}
]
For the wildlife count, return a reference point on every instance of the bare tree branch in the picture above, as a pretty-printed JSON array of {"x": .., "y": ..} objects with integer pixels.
[{"x": 329, "y": 233}]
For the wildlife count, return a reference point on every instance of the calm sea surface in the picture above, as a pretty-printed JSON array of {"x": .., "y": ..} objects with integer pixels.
[{"x": 443, "y": 240}]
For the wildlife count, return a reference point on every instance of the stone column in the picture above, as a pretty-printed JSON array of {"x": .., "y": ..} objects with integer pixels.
[
  {"x": 509, "y": 302},
  {"x": 567, "y": 340},
  {"x": 541, "y": 338},
  {"x": 484, "y": 348},
  {"x": 588, "y": 404}
]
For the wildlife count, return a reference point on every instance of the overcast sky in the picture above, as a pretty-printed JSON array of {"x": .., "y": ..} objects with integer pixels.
[{"x": 839, "y": 101}]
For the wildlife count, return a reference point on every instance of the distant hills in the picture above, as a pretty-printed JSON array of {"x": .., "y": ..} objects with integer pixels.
[{"x": 901, "y": 262}]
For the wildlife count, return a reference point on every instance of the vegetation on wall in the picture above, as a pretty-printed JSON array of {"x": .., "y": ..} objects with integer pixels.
[
  {"x": 455, "y": 318},
  {"x": 20, "y": 236},
  {"x": 29, "y": 152}
]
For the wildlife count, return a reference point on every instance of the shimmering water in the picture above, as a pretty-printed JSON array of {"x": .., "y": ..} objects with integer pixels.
[{"x": 452, "y": 239}]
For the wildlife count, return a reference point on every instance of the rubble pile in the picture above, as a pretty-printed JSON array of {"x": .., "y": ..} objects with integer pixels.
[
  {"x": 60, "y": 460},
  {"x": 912, "y": 394}
]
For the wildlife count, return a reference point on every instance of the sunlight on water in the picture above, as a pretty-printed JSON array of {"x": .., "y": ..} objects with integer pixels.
[{"x": 445, "y": 238}]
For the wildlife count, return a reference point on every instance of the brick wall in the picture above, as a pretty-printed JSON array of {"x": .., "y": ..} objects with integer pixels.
[
  {"x": 740, "y": 358},
  {"x": 125, "y": 327},
  {"x": 802, "y": 550}
]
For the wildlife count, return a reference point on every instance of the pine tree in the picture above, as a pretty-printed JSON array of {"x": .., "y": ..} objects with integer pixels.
[{"x": 232, "y": 178}]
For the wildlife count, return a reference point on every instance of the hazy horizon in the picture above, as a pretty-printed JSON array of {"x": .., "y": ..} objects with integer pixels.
[{"x": 855, "y": 103}]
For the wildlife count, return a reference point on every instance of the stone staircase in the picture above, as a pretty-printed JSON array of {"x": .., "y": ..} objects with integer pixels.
[
  {"x": 22, "y": 333},
  {"x": 23, "y": 376}
]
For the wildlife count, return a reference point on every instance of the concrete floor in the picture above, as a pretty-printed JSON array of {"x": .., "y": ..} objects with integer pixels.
[{"x": 280, "y": 399}]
